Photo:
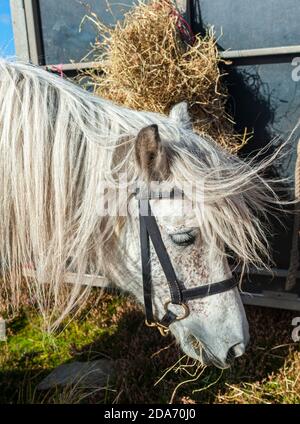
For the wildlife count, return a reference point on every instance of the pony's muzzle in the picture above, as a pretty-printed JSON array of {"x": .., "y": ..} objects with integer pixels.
[{"x": 235, "y": 351}]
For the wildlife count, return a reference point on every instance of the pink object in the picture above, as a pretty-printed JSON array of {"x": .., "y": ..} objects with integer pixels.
[
  {"x": 184, "y": 27},
  {"x": 58, "y": 69}
]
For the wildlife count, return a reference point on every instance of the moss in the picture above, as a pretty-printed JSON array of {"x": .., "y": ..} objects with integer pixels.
[{"x": 29, "y": 354}]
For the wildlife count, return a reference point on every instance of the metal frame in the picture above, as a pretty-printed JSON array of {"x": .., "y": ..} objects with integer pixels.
[
  {"x": 282, "y": 54},
  {"x": 27, "y": 30},
  {"x": 270, "y": 51},
  {"x": 34, "y": 32},
  {"x": 29, "y": 47},
  {"x": 272, "y": 299},
  {"x": 20, "y": 29},
  {"x": 29, "y": 42},
  {"x": 266, "y": 298},
  {"x": 71, "y": 278},
  {"x": 276, "y": 298}
]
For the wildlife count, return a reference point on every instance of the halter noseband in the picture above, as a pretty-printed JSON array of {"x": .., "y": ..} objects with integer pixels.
[{"x": 179, "y": 294}]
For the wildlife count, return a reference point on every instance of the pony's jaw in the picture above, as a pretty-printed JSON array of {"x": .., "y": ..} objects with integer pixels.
[{"x": 214, "y": 338}]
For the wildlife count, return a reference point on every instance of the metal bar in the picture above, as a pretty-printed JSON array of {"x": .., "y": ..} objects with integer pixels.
[
  {"x": 274, "y": 272},
  {"x": 72, "y": 278},
  {"x": 270, "y": 299},
  {"x": 238, "y": 57},
  {"x": 279, "y": 300},
  {"x": 34, "y": 33},
  {"x": 260, "y": 56},
  {"x": 20, "y": 30},
  {"x": 65, "y": 67},
  {"x": 271, "y": 51}
]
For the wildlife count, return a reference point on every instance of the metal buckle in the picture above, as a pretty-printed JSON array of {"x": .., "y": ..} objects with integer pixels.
[
  {"x": 186, "y": 310},
  {"x": 164, "y": 331}
]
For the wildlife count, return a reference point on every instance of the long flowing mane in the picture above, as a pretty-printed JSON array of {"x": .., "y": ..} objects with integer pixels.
[{"x": 58, "y": 144}]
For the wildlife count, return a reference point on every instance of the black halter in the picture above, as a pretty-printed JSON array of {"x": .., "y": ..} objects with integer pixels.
[{"x": 179, "y": 295}]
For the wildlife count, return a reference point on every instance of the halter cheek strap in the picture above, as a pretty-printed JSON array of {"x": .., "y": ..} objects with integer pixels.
[
  {"x": 179, "y": 294},
  {"x": 149, "y": 229}
]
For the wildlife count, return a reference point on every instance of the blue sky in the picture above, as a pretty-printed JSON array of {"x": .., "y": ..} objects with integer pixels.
[{"x": 7, "y": 47}]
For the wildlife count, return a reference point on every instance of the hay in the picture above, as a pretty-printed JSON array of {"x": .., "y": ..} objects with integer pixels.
[{"x": 144, "y": 64}]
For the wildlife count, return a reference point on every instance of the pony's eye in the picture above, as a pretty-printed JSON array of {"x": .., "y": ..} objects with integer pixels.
[{"x": 183, "y": 239}]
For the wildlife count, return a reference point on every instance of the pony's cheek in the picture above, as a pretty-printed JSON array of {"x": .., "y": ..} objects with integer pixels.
[{"x": 132, "y": 208}]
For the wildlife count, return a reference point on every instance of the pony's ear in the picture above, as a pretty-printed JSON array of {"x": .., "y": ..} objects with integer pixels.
[
  {"x": 151, "y": 155},
  {"x": 179, "y": 113}
]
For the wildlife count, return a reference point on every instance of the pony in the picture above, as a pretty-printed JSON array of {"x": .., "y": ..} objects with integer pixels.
[{"x": 63, "y": 156}]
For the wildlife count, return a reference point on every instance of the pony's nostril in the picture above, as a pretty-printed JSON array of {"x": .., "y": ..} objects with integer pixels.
[{"x": 235, "y": 351}]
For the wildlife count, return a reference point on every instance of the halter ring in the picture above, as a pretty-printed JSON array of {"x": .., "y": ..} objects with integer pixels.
[{"x": 186, "y": 310}]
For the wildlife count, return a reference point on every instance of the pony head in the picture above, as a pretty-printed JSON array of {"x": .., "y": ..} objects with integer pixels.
[{"x": 213, "y": 221}]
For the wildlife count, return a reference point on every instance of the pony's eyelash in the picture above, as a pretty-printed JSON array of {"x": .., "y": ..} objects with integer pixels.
[{"x": 183, "y": 239}]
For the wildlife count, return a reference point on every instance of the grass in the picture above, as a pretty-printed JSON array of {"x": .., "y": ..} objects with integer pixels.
[{"x": 268, "y": 373}]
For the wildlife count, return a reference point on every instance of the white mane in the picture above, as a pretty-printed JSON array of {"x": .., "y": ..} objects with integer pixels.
[{"x": 58, "y": 143}]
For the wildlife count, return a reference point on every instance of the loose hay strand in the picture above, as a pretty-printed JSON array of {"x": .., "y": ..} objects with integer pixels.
[{"x": 191, "y": 380}]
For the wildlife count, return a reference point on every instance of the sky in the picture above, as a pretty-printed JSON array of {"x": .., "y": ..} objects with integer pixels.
[{"x": 7, "y": 47}]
